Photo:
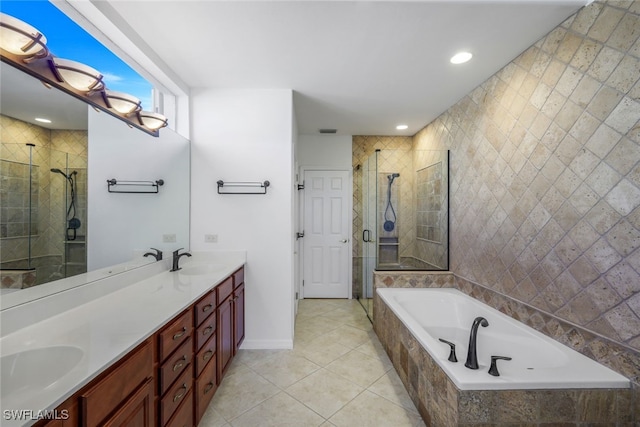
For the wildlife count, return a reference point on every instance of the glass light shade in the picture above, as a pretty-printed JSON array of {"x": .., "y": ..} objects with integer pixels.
[
  {"x": 461, "y": 57},
  {"x": 153, "y": 121},
  {"x": 122, "y": 102},
  {"x": 21, "y": 39},
  {"x": 78, "y": 75}
]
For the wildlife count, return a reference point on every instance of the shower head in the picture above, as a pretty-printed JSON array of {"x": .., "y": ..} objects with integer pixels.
[
  {"x": 60, "y": 172},
  {"x": 392, "y": 177}
]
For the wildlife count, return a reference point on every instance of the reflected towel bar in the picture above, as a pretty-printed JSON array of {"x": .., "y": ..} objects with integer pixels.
[{"x": 137, "y": 187}]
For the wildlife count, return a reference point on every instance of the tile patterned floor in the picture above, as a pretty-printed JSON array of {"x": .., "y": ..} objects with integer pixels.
[{"x": 336, "y": 375}]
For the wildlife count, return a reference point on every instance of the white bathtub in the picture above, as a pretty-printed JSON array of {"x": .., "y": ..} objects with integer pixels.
[{"x": 538, "y": 362}]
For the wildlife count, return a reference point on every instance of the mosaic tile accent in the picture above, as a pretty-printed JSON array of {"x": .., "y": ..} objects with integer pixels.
[{"x": 545, "y": 175}]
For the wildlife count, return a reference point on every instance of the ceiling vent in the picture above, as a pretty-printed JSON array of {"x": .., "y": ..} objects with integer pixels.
[{"x": 328, "y": 130}]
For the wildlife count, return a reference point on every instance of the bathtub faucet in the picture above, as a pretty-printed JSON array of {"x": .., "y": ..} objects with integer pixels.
[{"x": 472, "y": 356}]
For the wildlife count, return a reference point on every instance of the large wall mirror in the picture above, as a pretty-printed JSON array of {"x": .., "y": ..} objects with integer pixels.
[{"x": 58, "y": 219}]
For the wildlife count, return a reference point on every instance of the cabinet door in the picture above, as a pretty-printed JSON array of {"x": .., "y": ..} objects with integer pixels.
[
  {"x": 137, "y": 410},
  {"x": 225, "y": 336},
  {"x": 238, "y": 315}
]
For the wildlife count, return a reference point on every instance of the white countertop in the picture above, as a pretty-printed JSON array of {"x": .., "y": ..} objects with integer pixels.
[{"x": 104, "y": 328}]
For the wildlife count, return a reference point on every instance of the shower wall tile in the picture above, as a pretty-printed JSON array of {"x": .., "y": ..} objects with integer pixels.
[
  {"x": 545, "y": 182},
  {"x": 49, "y": 207}
]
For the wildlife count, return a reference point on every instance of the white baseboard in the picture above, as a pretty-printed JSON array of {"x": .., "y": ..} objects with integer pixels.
[{"x": 266, "y": 344}]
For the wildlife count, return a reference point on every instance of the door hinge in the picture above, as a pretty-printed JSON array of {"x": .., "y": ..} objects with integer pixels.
[
  {"x": 301, "y": 186},
  {"x": 296, "y": 295},
  {"x": 303, "y": 283},
  {"x": 299, "y": 235}
]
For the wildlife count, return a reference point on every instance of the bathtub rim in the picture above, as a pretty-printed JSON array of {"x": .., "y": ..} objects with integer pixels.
[{"x": 617, "y": 380}]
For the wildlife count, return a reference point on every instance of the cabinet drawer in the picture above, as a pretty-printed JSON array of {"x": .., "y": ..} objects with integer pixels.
[
  {"x": 184, "y": 415},
  {"x": 205, "y": 389},
  {"x": 205, "y": 331},
  {"x": 238, "y": 277},
  {"x": 112, "y": 390},
  {"x": 175, "y": 364},
  {"x": 224, "y": 290},
  {"x": 205, "y": 307},
  {"x": 137, "y": 411},
  {"x": 205, "y": 355},
  {"x": 175, "y": 334},
  {"x": 175, "y": 396}
]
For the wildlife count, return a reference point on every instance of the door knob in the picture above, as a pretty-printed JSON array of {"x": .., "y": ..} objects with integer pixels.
[{"x": 344, "y": 240}]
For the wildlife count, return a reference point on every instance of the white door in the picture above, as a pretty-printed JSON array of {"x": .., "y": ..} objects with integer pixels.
[{"x": 326, "y": 234}]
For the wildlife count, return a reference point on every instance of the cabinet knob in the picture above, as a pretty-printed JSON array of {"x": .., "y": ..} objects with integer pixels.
[
  {"x": 207, "y": 308},
  {"x": 207, "y": 355},
  {"x": 207, "y": 330},
  {"x": 208, "y": 388}
]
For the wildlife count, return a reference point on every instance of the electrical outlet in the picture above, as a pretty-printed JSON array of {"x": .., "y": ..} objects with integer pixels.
[
  {"x": 211, "y": 238},
  {"x": 168, "y": 238}
]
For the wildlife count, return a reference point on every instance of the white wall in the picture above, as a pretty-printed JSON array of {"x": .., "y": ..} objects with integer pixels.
[
  {"x": 247, "y": 135},
  {"x": 119, "y": 224},
  {"x": 325, "y": 152}
]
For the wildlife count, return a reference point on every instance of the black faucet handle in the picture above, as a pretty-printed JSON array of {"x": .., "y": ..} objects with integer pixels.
[
  {"x": 452, "y": 354},
  {"x": 177, "y": 251},
  {"x": 157, "y": 255},
  {"x": 493, "y": 370}
]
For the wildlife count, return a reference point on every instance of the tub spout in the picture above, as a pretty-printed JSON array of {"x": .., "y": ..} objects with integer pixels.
[{"x": 472, "y": 356}]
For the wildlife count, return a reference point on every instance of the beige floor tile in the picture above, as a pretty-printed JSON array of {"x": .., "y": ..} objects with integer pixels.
[
  {"x": 360, "y": 323},
  {"x": 324, "y": 392},
  {"x": 373, "y": 348},
  {"x": 240, "y": 392},
  {"x": 280, "y": 410},
  {"x": 323, "y": 352},
  {"x": 212, "y": 418},
  {"x": 253, "y": 357},
  {"x": 348, "y": 336},
  {"x": 371, "y": 410},
  {"x": 391, "y": 388},
  {"x": 359, "y": 368},
  {"x": 285, "y": 369}
]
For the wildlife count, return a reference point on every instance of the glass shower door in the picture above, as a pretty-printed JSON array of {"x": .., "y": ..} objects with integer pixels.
[{"x": 369, "y": 227}]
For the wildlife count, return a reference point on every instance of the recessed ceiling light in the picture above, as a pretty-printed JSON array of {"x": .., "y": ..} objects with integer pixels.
[
  {"x": 38, "y": 119},
  {"x": 402, "y": 127},
  {"x": 461, "y": 57}
]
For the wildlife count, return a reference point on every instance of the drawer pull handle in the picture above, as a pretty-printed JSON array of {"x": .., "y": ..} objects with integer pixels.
[
  {"x": 207, "y": 355},
  {"x": 208, "y": 388},
  {"x": 207, "y": 330},
  {"x": 207, "y": 308},
  {"x": 180, "y": 395},
  {"x": 181, "y": 333},
  {"x": 180, "y": 363}
]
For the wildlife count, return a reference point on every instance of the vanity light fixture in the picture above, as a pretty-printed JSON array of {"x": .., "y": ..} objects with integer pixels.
[
  {"x": 402, "y": 127},
  {"x": 77, "y": 75},
  {"x": 461, "y": 57},
  {"x": 153, "y": 121},
  {"x": 41, "y": 120},
  {"x": 24, "y": 48},
  {"x": 121, "y": 102},
  {"x": 21, "y": 39}
]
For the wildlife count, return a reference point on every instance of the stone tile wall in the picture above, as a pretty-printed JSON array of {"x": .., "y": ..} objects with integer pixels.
[{"x": 545, "y": 184}]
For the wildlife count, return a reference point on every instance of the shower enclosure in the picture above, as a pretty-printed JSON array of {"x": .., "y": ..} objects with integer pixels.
[
  {"x": 44, "y": 216},
  {"x": 404, "y": 210}
]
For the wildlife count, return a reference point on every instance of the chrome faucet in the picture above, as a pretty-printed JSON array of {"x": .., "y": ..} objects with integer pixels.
[
  {"x": 176, "y": 258},
  {"x": 157, "y": 255},
  {"x": 472, "y": 356}
]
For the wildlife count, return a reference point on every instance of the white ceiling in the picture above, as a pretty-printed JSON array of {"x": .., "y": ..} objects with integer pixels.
[{"x": 361, "y": 67}]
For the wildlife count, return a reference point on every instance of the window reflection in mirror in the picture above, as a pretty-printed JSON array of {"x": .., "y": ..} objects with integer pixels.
[{"x": 46, "y": 231}]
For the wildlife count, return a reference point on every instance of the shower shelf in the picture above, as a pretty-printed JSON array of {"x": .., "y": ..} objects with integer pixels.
[
  {"x": 242, "y": 187},
  {"x": 137, "y": 187}
]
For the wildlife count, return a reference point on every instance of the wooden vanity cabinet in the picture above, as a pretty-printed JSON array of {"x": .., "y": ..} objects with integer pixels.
[
  {"x": 175, "y": 370},
  {"x": 124, "y": 394},
  {"x": 169, "y": 379}
]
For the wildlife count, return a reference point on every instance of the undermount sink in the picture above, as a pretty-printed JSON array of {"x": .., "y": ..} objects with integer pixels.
[
  {"x": 201, "y": 269},
  {"x": 33, "y": 370}
]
